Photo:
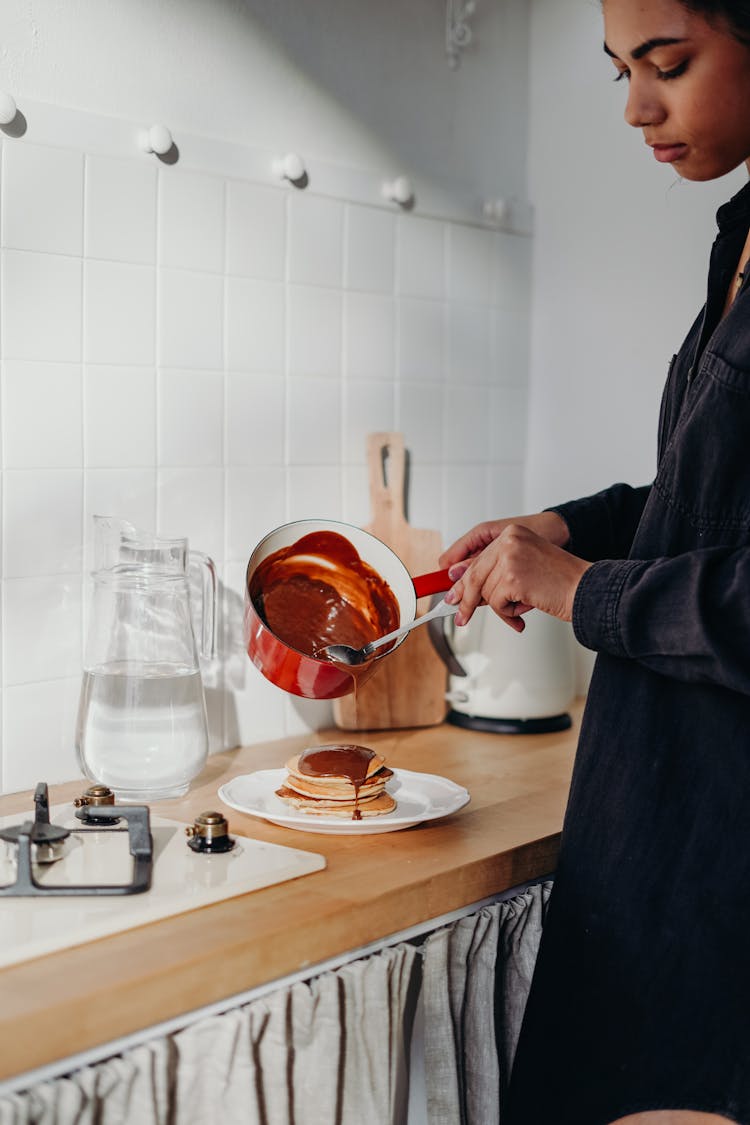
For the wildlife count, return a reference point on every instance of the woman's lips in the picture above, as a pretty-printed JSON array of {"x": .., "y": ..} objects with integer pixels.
[{"x": 667, "y": 154}]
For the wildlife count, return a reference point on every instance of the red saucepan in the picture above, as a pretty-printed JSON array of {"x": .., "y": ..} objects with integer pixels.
[{"x": 324, "y": 582}]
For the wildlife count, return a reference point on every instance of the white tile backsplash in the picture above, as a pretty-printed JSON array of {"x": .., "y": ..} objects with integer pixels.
[
  {"x": 120, "y": 214},
  {"x": 464, "y": 499},
  {"x": 191, "y": 418},
  {"x": 255, "y": 413},
  {"x": 508, "y": 413},
  {"x": 314, "y": 421},
  {"x": 256, "y": 503},
  {"x": 191, "y": 504},
  {"x": 469, "y": 348},
  {"x": 42, "y": 199},
  {"x": 127, "y": 493},
  {"x": 314, "y": 492},
  {"x": 41, "y": 306},
  {"x": 42, "y": 522},
  {"x": 469, "y": 264},
  {"x": 316, "y": 232},
  {"x": 191, "y": 220},
  {"x": 119, "y": 416},
  {"x": 205, "y": 355},
  {"x": 466, "y": 425},
  {"x": 255, "y": 325},
  {"x": 191, "y": 320},
  {"x": 370, "y": 332},
  {"x": 422, "y": 340},
  {"x": 421, "y": 257},
  {"x": 41, "y": 628},
  {"x": 419, "y": 413},
  {"x": 42, "y": 415},
  {"x": 39, "y": 733},
  {"x": 256, "y": 231},
  {"x": 119, "y": 313},
  {"x": 314, "y": 330},
  {"x": 355, "y": 505},
  {"x": 368, "y": 408},
  {"x": 370, "y": 262}
]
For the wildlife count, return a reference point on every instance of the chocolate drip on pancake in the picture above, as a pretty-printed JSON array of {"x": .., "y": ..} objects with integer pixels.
[{"x": 352, "y": 762}]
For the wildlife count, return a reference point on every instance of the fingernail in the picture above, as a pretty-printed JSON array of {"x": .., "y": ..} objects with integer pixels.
[
  {"x": 451, "y": 597},
  {"x": 458, "y": 570}
]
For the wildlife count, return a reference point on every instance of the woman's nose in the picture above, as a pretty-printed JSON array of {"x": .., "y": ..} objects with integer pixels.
[{"x": 643, "y": 107}]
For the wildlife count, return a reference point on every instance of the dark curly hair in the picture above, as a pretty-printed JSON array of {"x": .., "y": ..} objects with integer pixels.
[{"x": 735, "y": 14}]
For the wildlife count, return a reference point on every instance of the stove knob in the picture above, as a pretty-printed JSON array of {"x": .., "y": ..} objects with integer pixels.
[
  {"x": 209, "y": 833},
  {"x": 96, "y": 795}
]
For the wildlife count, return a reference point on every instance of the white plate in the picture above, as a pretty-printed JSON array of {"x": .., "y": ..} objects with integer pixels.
[{"x": 420, "y": 797}]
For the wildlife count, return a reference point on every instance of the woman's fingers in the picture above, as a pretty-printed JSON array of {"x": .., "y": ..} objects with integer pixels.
[{"x": 517, "y": 572}]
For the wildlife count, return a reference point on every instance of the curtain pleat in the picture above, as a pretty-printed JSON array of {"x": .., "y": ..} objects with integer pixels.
[
  {"x": 133, "y": 1087},
  {"x": 477, "y": 974}
]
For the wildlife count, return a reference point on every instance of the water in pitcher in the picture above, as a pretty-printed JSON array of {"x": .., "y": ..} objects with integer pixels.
[{"x": 147, "y": 726}]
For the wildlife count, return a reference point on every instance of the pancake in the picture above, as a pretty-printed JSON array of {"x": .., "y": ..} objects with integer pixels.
[
  {"x": 345, "y": 810},
  {"x": 338, "y": 791},
  {"x": 338, "y": 779}
]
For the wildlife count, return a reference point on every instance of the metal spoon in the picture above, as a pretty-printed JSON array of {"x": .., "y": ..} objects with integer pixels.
[{"x": 345, "y": 654}]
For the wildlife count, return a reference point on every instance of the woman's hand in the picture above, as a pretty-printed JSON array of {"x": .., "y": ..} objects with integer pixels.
[
  {"x": 549, "y": 525},
  {"x": 514, "y": 569}
]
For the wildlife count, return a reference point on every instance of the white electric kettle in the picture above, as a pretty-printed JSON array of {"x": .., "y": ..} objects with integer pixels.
[{"x": 508, "y": 682}]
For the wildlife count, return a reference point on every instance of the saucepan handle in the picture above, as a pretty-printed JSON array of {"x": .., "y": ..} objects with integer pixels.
[{"x": 437, "y": 582}]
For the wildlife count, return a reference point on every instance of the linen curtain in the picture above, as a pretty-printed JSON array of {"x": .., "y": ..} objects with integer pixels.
[
  {"x": 334, "y": 1050},
  {"x": 477, "y": 975},
  {"x": 331, "y": 1051}
]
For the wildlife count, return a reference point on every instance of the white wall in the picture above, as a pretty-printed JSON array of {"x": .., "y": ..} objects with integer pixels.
[
  {"x": 201, "y": 349},
  {"x": 360, "y": 84},
  {"x": 619, "y": 260}
]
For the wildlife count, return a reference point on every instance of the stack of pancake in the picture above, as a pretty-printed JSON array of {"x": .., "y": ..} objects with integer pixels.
[{"x": 338, "y": 780}]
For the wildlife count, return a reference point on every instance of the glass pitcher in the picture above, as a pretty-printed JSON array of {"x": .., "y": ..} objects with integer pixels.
[{"x": 142, "y": 727}]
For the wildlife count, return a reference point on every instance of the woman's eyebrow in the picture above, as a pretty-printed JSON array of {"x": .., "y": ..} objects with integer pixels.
[{"x": 644, "y": 48}]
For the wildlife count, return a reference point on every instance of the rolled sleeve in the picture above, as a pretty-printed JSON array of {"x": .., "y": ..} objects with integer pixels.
[
  {"x": 596, "y": 607},
  {"x": 602, "y": 526}
]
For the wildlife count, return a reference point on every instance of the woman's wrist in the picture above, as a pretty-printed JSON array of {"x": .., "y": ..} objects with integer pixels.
[{"x": 552, "y": 527}]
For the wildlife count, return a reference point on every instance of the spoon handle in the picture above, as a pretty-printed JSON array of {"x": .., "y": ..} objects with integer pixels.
[{"x": 442, "y": 609}]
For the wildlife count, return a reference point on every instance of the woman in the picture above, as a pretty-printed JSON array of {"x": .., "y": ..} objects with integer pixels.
[{"x": 639, "y": 1011}]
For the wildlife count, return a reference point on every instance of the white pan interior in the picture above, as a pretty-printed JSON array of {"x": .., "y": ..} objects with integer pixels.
[{"x": 372, "y": 550}]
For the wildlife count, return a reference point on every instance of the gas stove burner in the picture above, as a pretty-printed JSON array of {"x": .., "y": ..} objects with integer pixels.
[
  {"x": 94, "y": 798},
  {"x": 47, "y": 839},
  {"x": 39, "y": 833},
  {"x": 210, "y": 834}
]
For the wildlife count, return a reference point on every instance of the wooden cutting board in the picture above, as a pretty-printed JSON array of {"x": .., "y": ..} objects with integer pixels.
[{"x": 408, "y": 689}]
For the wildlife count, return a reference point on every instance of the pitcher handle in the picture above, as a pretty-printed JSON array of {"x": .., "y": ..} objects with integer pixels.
[{"x": 208, "y": 603}]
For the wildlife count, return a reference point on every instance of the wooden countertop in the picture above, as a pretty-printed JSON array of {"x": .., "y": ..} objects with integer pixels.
[{"x": 374, "y": 886}]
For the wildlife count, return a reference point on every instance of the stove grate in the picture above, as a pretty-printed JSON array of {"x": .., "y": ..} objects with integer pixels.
[{"x": 40, "y": 832}]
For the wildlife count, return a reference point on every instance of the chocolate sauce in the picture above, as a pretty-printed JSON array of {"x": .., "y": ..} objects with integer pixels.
[
  {"x": 349, "y": 761},
  {"x": 319, "y": 592}
]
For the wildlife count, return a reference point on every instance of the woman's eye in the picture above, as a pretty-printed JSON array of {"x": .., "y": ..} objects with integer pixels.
[
  {"x": 675, "y": 72},
  {"x": 620, "y": 75}
]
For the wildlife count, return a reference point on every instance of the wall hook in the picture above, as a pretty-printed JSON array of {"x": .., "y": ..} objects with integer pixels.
[
  {"x": 399, "y": 191},
  {"x": 8, "y": 109},
  {"x": 292, "y": 168},
  {"x": 496, "y": 210},
  {"x": 458, "y": 33},
  {"x": 157, "y": 139}
]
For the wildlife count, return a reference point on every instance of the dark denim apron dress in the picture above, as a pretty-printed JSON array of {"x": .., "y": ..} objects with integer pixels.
[{"x": 641, "y": 994}]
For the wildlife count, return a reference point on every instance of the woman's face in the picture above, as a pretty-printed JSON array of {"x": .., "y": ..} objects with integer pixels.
[{"x": 688, "y": 84}]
